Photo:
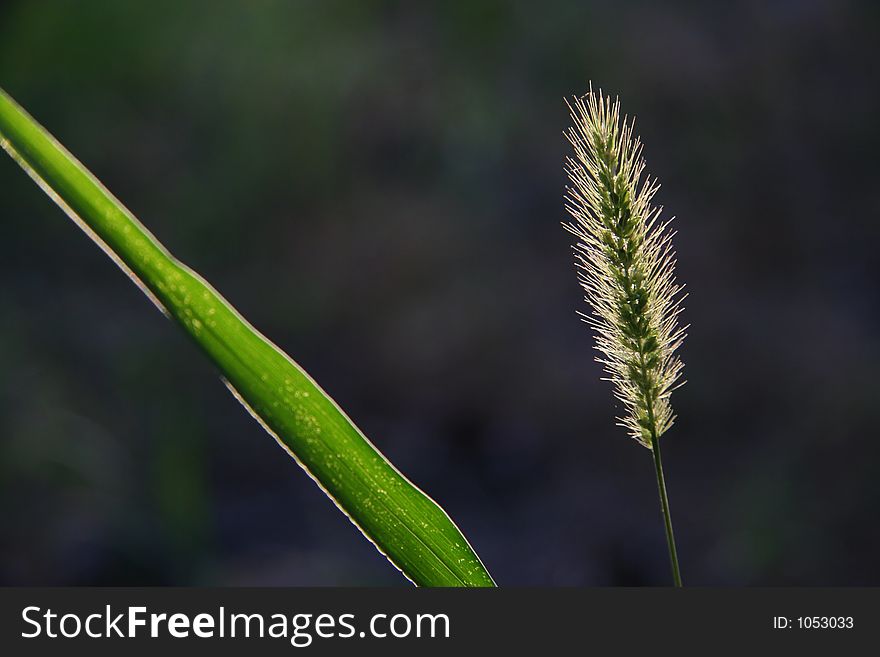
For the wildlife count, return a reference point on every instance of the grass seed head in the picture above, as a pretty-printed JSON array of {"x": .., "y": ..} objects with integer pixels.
[{"x": 625, "y": 263}]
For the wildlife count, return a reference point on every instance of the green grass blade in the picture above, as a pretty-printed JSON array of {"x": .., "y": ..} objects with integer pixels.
[{"x": 407, "y": 526}]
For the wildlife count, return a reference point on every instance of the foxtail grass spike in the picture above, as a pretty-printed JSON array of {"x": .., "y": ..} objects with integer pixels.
[{"x": 625, "y": 263}]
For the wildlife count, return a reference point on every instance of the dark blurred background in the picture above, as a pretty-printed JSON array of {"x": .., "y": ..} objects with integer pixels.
[{"x": 377, "y": 186}]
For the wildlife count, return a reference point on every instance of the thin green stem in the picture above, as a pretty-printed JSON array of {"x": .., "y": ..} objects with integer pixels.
[
  {"x": 649, "y": 397},
  {"x": 664, "y": 505}
]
